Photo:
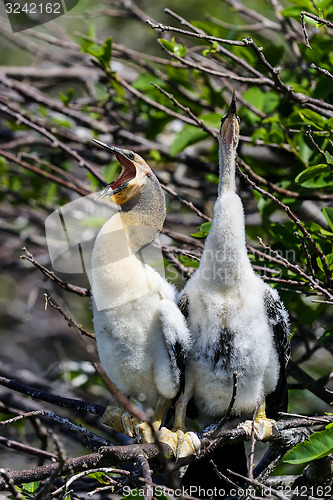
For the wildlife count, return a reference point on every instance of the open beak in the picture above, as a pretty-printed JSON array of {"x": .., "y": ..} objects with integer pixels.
[
  {"x": 132, "y": 177},
  {"x": 229, "y": 131}
]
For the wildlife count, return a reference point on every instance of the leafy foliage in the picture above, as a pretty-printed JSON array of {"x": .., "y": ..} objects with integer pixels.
[
  {"x": 319, "y": 445},
  {"x": 47, "y": 160}
]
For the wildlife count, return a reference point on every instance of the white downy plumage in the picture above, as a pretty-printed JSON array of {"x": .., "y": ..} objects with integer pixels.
[
  {"x": 237, "y": 322},
  {"x": 142, "y": 336},
  {"x": 139, "y": 322}
]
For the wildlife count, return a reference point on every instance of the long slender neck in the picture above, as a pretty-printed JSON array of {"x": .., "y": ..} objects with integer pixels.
[
  {"x": 119, "y": 273},
  {"x": 137, "y": 225},
  {"x": 224, "y": 260},
  {"x": 227, "y": 168}
]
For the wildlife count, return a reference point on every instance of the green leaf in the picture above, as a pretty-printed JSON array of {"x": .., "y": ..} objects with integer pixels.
[
  {"x": 101, "y": 477},
  {"x": 305, "y": 4},
  {"x": 3, "y": 165},
  {"x": 187, "y": 136},
  {"x": 259, "y": 133},
  {"x": 329, "y": 259},
  {"x": 67, "y": 98},
  {"x": 311, "y": 172},
  {"x": 211, "y": 50},
  {"x": 31, "y": 487},
  {"x": 180, "y": 50},
  {"x": 111, "y": 171},
  {"x": 313, "y": 118},
  {"x": 294, "y": 12},
  {"x": 264, "y": 101},
  {"x": 106, "y": 53},
  {"x": 328, "y": 214},
  {"x": 203, "y": 230},
  {"x": 323, "y": 4},
  {"x": 322, "y": 181},
  {"x": 145, "y": 80},
  {"x": 155, "y": 154},
  {"x": 319, "y": 445},
  {"x": 188, "y": 262},
  {"x": 103, "y": 54},
  {"x": 329, "y": 158},
  {"x": 169, "y": 45}
]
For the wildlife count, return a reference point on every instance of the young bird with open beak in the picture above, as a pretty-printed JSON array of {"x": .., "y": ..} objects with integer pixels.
[{"x": 142, "y": 337}]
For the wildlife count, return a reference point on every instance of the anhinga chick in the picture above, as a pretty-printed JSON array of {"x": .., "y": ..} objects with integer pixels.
[
  {"x": 237, "y": 322},
  {"x": 141, "y": 333}
]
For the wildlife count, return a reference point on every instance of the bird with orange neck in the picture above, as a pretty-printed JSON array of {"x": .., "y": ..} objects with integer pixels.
[{"x": 142, "y": 337}]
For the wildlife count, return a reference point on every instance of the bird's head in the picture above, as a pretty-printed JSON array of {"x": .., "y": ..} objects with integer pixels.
[
  {"x": 229, "y": 131},
  {"x": 133, "y": 176}
]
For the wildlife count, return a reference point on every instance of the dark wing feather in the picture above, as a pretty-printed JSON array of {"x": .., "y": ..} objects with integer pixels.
[
  {"x": 277, "y": 401},
  {"x": 177, "y": 354},
  {"x": 183, "y": 305},
  {"x": 179, "y": 351}
]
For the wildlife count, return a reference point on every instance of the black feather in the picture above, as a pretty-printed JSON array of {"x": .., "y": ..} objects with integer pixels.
[
  {"x": 277, "y": 401},
  {"x": 183, "y": 305}
]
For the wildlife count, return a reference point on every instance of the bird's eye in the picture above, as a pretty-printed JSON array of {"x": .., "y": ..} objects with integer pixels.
[{"x": 130, "y": 156}]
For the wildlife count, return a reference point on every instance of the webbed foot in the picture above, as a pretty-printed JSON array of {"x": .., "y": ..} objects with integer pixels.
[
  {"x": 144, "y": 431},
  {"x": 264, "y": 428},
  {"x": 182, "y": 443},
  {"x": 120, "y": 420}
]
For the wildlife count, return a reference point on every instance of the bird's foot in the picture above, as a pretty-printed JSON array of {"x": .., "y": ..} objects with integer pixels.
[
  {"x": 264, "y": 428},
  {"x": 120, "y": 420},
  {"x": 182, "y": 443},
  {"x": 144, "y": 431}
]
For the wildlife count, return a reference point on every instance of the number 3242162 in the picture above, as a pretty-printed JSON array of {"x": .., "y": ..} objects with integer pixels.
[{"x": 34, "y": 8}]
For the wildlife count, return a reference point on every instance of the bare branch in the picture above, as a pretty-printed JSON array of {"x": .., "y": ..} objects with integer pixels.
[{"x": 83, "y": 292}]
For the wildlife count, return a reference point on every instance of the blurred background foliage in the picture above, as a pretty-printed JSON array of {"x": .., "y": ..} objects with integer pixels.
[{"x": 101, "y": 71}]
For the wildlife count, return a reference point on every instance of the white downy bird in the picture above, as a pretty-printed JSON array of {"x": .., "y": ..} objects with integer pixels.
[
  {"x": 142, "y": 337},
  {"x": 237, "y": 322}
]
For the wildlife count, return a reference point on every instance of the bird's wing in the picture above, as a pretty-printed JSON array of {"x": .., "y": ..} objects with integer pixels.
[
  {"x": 183, "y": 305},
  {"x": 277, "y": 400},
  {"x": 176, "y": 336}
]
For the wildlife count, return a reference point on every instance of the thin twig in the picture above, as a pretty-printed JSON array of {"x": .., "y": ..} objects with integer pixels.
[
  {"x": 75, "y": 404},
  {"x": 322, "y": 70},
  {"x": 253, "y": 443},
  {"x": 52, "y": 302},
  {"x": 306, "y": 36},
  {"x": 265, "y": 489},
  {"x": 24, "y": 448},
  {"x": 18, "y": 116},
  {"x": 320, "y": 20},
  {"x": 144, "y": 464},
  {"x": 229, "y": 409},
  {"x": 300, "y": 226},
  {"x": 44, "y": 173},
  {"x": 83, "y": 292}
]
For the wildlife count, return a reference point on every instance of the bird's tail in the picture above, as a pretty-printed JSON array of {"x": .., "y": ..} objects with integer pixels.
[{"x": 208, "y": 477}]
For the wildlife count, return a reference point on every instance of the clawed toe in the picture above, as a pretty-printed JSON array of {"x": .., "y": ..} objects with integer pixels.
[
  {"x": 264, "y": 428},
  {"x": 182, "y": 443},
  {"x": 120, "y": 420},
  {"x": 144, "y": 433}
]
